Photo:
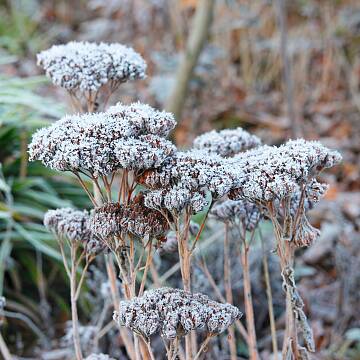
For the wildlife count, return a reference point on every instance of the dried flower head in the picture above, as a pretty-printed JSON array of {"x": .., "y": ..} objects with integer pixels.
[
  {"x": 174, "y": 312},
  {"x": 243, "y": 211},
  {"x": 145, "y": 152},
  {"x": 184, "y": 179},
  {"x": 226, "y": 142},
  {"x": 143, "y": 118},
  {"x": 69, "y": 223},
  {"x": 94, "y": 142},
  {"x": 87, "y": 66},
  {"x": 112, "y": 219},
  {"x": 268, "y": 172}
]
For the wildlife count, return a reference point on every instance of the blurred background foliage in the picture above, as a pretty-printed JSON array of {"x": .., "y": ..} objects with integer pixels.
[{"x": 237, "y": 82}]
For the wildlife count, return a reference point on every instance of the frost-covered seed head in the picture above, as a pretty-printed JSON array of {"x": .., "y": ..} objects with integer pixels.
[
  {"x": 145, "y": 152},
  {"x": 226, "y": 142},
  {"x": 268, "y": 172},
  {"x": 247, "y": 213},
  {"x": 112, "y": 219},
  {"x": 144, "y": 119},
  {"x": 104, "y": 142},
  {"x": 87, "y": 66},
  {"x": 174, "y": 312},
  {"x": 69, "y": 223},
  {"x": 184, "y": 179}
]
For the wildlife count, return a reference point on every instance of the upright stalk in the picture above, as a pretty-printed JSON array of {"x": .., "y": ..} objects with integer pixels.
[
  {"x": 228, "y": 291},
  {"x": 270, "y": 301},
  {"x": 74, "y": 313},
  {"x": 249, "y": 309}
]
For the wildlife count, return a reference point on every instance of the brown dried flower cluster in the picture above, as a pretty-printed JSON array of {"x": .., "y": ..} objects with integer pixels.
[{"x": 113, "y": 219}]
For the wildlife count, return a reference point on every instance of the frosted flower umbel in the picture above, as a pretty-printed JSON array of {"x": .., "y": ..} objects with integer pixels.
[
  {"x": 174, "y": 313},
  {"x": 269, "y": 172},
  {"x": 184, "y": 180},
  {"x": 246, "y": 213},
  {"x": 226, "y": 142},
  {"x": 104, "y": 142},
  {"x": 74, "y": 225},
  {"x": 113, "y": 219},
  {"x": 87, "y": 66},
  {"x": 70, "y": 223}
]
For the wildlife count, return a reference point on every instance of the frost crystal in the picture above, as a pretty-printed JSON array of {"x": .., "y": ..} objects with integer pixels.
[
  {"x": 113, "y": 219},
  {"x": 99, "y": 357},
  {"x": 87, "y": 66},
  {"x": 69, "y": 223},
  {"x": 247, "y": 213},
  {"x": 75, "y": 226},
  {"x": 269, "y": 172},
  {"x": 184, "y": 179},
  {"x": 144, "y": 119},
  {"x": 174, "y": 312},
  {"x": 104, "y": 142},
  {"x": 226, "y": 142},
  {"x": 145, "y": 152}
]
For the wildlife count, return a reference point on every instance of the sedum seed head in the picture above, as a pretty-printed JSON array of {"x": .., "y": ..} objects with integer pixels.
[
  {"x": 174, "y": 312},
  {"x": 184, "y": 180},
  {"x": 75, "y": 226},
  {"x": 247, "y": 213},
  {"x": 228, "y": 142},
  {"x": 70, "y": 223},
  {"x": 104, "y": 142},
  {"x": 269, "y": 172},
  {"x": 112, "y": 219},
  {"x": 87, "y": 66}
]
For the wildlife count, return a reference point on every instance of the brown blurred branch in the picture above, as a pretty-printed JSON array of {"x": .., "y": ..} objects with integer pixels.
[
  {"x": 195, "y": 44},
  {"x": 296, "y": 131}
]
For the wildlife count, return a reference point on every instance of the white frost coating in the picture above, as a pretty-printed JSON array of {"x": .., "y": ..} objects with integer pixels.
[
  {"x": 99, "y": 357},
  {"x": 184, "y": 179},
  {"x": 145, "y": 152},
  {"x": 247, "y": 213},
  {"x": 70, "y": 223},
  {"x": 75, "y": 226},
  {"x": 226, "y": 142},
  {"x": 269, "y": 172},
  {"x": 174, "y": 312},
  {"x": 88, "y": 141},
  {"x": 144, "y": 118},
  {"x": 87, "y": 66}
]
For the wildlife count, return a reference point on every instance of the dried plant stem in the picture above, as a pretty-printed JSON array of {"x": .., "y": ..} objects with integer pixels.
[
  {"x": 228, "y": 291},
  {"x": 217, "y": 291},
  {"x": 182, "y": 236},
  {"x": 202, "y": 347},
  {"x": 4, "y": 349},
  {"x": 124, "y": 333},
  {"x": 249, "y": 309},
  {"x": 269, "y": 299},
  {"x": 285, "y": 252},
  {"x": 74, "y": 313}
]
